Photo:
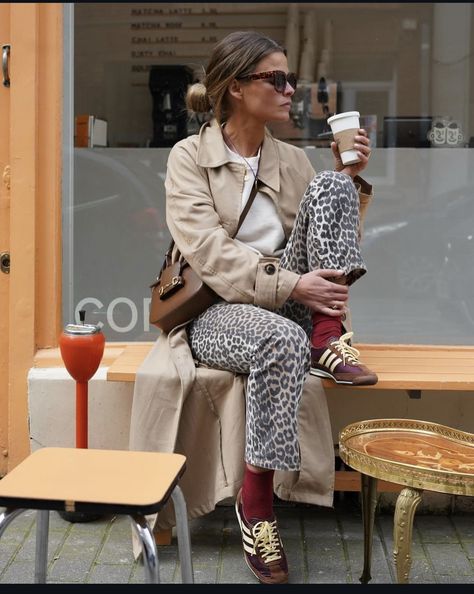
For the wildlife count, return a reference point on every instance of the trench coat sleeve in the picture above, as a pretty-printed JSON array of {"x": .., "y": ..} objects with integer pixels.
[
  {"x": 234, "y": 272},
  {"x": 366, "y": 195}
]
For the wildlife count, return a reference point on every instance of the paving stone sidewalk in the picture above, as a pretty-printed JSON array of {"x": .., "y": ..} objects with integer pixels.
[{"x": 323, "y": 546}]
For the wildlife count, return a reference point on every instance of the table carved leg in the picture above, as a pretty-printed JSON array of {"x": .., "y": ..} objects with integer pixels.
[
  {"x": 369, "y": 503},
  {"x": 405, "y": 508}
]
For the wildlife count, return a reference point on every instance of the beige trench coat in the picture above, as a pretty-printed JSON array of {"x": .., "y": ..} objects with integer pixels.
[{"x": 200, "y": 412}]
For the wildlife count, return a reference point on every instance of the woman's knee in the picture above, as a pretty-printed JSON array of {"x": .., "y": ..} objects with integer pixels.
[
  {"x": 288, "y": 342},
  {"x": 334, "y": 182},
  {"x": 334, "y": 189},
  {"x": 329, "y": 175}
]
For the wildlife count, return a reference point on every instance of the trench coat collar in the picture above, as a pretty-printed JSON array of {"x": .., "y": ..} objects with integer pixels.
[{"x": 212, "y": 153}]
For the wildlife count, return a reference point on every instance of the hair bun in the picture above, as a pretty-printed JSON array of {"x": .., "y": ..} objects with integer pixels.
[{"x": 197, "y": 99}]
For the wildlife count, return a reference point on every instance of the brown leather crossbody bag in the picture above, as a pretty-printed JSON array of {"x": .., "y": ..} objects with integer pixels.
[{"x": 178, "y": 295}]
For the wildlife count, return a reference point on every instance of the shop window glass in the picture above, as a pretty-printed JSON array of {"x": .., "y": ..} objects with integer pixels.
[{"x": 406, "y": 67}]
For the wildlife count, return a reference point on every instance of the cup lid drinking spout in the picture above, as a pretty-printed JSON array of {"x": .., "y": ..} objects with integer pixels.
[{"x": 345, "y": 114}]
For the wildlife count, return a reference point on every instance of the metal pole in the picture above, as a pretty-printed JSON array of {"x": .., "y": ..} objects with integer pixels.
[{"x": 82, "y": 415}]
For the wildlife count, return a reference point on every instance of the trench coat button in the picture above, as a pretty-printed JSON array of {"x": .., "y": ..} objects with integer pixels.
[{"x": 270, "y": 269}]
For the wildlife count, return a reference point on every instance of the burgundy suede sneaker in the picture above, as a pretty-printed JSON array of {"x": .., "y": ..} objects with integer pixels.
[
  {"x": 340, "y": 362},
  {"x": 263, "y": 549}
]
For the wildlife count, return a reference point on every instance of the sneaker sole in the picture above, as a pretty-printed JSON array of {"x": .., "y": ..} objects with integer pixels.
[
  {"x": 260, "y": 580},
  {"x": 326, "y": 375}
]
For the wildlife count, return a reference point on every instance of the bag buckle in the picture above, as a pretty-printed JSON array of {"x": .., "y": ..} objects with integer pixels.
[{"x": 166, "y": 290}]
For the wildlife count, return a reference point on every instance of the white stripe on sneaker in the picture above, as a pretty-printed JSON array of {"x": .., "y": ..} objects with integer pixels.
[
  {"x": 322, "y": 360},
  {"x": 332, "y": 361}
]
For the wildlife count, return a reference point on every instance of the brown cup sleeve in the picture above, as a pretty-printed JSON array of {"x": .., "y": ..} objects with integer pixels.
[{"x": 345, "y": 139}]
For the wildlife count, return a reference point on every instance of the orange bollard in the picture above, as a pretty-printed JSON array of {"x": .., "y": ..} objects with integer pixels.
[{"x": 82, "y": 348}]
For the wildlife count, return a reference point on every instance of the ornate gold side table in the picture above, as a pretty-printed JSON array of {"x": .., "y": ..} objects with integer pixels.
[{"x": 417, "y": 454}]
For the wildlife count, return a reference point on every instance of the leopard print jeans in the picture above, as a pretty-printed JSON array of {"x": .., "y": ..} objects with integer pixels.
[{"x": 273, "y": 348}]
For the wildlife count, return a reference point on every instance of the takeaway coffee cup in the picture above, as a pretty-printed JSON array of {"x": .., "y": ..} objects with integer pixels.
[{"x": 344, "y": 127}]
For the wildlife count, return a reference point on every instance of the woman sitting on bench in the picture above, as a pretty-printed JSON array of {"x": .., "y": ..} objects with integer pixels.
[{"x": 283, "y": 280}]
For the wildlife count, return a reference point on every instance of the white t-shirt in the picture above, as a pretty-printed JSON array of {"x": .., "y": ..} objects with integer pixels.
[{"x": 261, "y": 230}]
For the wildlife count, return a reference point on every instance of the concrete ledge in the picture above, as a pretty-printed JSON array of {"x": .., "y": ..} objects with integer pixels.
[{"x": 52, "y": 402}]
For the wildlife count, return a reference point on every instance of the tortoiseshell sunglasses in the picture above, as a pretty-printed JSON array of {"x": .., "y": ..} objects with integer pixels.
[{"x": 278, "y": 79}]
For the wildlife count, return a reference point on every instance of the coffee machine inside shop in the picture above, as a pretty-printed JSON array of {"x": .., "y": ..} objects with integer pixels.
[{"x": 168, "y": 85}]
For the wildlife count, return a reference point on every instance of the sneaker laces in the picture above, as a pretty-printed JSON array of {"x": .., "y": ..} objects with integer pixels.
[
  {"x": 347, "y": 351},
  {"x": 266, "y": 538}
]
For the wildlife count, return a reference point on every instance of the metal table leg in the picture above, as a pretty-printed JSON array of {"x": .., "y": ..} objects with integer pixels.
[
  {"x": 184, "y": 540},
  {"x": 149, "y": 550},
  {"x": 369, "y": 503},
  {"x": 41, "y": 555},
  {"x": 7, "y": 516},
  {"x": 405, "y": 508}
]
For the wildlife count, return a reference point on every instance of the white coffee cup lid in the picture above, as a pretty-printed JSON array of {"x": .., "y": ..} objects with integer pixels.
[{"x": 345, "y": 114}]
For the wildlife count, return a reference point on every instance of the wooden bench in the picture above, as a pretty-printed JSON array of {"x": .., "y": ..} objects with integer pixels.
[{"x": 411, "y": 368}]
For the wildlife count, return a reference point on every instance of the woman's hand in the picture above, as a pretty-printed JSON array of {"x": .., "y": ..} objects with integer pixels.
[
  {"x": 362, "y": 146},
  {"x": 320, "y": 294}
]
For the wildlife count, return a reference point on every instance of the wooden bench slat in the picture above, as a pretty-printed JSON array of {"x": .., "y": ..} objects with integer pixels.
[
  {"x": 350, "y": 481},
  {"x": 399, "y": 367},
  {"x": 451, "y": 366},
  {"x": 124, "y": 368},
  {"x": 440, "y": 365},
  {"x": 415, "y": 347},
  {"x": 412, "y": 354}
]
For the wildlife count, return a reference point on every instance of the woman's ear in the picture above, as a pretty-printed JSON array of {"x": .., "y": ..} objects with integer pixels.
[{"x": 235, "y": 89}]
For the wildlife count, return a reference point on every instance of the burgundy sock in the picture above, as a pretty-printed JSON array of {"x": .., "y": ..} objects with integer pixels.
[
  {"x": 324, "y": 327},
  {"x": 257, "y": 494}
]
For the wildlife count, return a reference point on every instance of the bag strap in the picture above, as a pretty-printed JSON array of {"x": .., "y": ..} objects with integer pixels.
[{"x": 247, "y": 207}]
